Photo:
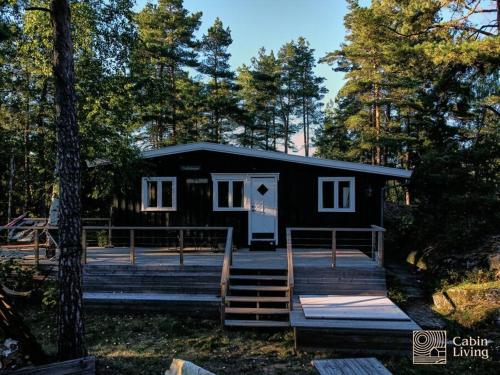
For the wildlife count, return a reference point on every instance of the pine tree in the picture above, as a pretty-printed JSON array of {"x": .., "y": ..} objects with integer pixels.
[
  {"x": 220, "y": 96},
  {"x": 168, "y": 45}
]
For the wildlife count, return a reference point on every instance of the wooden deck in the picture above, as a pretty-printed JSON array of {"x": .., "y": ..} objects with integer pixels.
[
  {"x": 158, "y": 281},
  {"x": 309, "y": 258}
]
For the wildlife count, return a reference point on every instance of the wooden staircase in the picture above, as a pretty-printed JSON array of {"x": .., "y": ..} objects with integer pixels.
[{"x": 257, "y": 297}]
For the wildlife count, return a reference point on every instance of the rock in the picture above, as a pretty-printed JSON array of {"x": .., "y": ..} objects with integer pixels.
[
  {"x": 494, "y": 262},
  {"x": 417, "y": 260},
  {"x": 181, "y": 367},
  {"x": 467, "y": 297},
  {"x": 442, "y": 303}
]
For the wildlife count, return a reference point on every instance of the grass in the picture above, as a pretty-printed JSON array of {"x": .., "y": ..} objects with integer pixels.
[{"x": 145, "y": 343}]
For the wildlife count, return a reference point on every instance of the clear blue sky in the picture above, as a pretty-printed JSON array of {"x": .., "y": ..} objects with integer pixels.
[{"x": 271, "y": 23}]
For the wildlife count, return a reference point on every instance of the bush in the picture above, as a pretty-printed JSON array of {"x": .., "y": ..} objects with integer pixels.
[{"x": 17, "y": 276}]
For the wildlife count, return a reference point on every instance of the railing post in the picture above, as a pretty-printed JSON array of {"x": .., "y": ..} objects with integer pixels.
[
  {"x": 380, "y": 249},
  {"x": 37, "y": 249},
  {"x": 230, "y": 233},
  {"x": 334, "y": 248},
  {"x": 373, "y": 243},
  {"x": 181, "y": 247},
  {"x": 84, "y": 246},
  {"x": 110, "y": 242},
  {"x": 132, "y": 246}
]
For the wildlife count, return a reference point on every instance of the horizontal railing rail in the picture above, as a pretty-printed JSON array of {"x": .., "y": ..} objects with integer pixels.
[
  {"x": 131, "y": 238},
  {"x": 376, "y": 241}
]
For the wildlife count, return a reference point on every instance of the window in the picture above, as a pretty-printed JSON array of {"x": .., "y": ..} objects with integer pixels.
[
  {"x": 336, "y": 194},
  {"x": 159, "y": 194},
  {"x": 229, "y": 194}
]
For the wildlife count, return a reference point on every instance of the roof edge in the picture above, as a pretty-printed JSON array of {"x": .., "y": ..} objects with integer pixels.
[{"x": 276, "y": 155}]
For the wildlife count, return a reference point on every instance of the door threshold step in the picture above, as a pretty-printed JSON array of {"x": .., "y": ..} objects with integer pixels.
[
  {"x": 255, "y": 323},
  {"x": 259, "y": 288},
  {"x": 258, "y": 277},
  {"x": 256, "y": 299},
  {"x": 255, "y": 310}
]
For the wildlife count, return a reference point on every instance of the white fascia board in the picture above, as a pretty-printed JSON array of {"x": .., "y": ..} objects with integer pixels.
[{"x": 275, "y": 155}]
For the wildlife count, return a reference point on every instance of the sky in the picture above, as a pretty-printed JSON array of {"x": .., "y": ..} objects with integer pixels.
[{"x": 271, "y": 23}]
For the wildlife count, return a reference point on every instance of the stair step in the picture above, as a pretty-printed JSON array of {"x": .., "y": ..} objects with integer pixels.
[
  {"x": 258, "y": 277},
  {"x": 253, "y": 310},
  {"x": 259, "y": 287},
  {"x": 255, "y": 323},
  {"x": 259, "y": 269},
  {"x": 256, "y": 299}
]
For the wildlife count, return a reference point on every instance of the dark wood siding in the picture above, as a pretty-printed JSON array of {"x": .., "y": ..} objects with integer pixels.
[{"x": 297, "y": 194}]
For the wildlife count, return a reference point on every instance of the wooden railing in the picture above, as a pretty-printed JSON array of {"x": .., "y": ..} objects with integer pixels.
[
  {"x": 377, "y": 240},
  {"x": 226, "y": 269},
  {"x": 131, "y": 237},
  {"x": 289, "y": 262}
]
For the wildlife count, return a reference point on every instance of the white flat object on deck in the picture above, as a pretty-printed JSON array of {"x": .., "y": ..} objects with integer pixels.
[
  {"x": 352, "y": 366},
  {"x": 181, "y": 367},
  {"x": 351, "y": 307}
]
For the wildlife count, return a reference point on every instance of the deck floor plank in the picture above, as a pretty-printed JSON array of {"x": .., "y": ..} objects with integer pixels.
[{"x": 350, "y": 366}]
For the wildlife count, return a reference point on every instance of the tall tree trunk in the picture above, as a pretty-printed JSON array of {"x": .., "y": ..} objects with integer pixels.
[
  {"x": 377, "y": 121},
  {"x": 174, "y": 105},
  {"x": 70, "y": 321},
  {"x": 306, "y": 150},
  {"x": 26, "y": 134},
  {"x": 10, "y": 188}
]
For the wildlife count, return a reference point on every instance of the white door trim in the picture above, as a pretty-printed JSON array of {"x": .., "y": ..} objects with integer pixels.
[
  {"x": 275, "y": 176},
  {"x": 247, "y": 178}
]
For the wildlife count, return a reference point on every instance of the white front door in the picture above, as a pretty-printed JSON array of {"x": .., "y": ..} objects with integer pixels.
[{"x": 263, "y": 216}]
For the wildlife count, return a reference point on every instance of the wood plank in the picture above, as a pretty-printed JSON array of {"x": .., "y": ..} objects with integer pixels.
[
  {"x": 80, "y": 366},
  {"x": 350, "y": 366},
  {"x": 259, "y": 288},
  {"x": 258, "y": 277},
  {"x": 255, "y": 323},
  {"x": 351, "y": 308},
  {"x": 110, "y": 296},
  {"x": 297, "y": 319},
  {"x": 254, "y": 310},
  {"x": 256, "y": 299}
]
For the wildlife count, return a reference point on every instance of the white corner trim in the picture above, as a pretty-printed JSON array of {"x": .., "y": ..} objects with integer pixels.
[
  {"x": 336, "y": 180},
  {"x": 275, "y": 155},
  {"x": 159, "y": 187}
]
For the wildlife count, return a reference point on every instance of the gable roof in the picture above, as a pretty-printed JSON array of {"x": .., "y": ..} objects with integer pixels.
[{"x": 275, "y": 155}]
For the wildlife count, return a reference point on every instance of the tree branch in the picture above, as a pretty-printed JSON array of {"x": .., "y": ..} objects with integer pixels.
[
  {"x": 42, "y": 9},
  {"x": 492, "y": 109}
]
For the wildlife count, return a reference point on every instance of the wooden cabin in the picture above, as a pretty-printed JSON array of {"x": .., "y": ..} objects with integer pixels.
[{"x": 258, "y": 193}]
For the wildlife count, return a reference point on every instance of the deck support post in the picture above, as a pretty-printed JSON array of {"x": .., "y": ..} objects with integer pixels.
[
  {"x": 334, "y": 248},
  {"x": 37, "y": 248},
  {"x": 181, "y": 247},
  {"x": 84, "y": 246},
  {"x": 380, "y": 250},
  {"x": 373, "y": 244},
  {"x": 132, "y": 246}
]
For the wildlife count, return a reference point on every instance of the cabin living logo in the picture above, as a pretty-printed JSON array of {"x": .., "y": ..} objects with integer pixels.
[{"x": 429, "y": 347}]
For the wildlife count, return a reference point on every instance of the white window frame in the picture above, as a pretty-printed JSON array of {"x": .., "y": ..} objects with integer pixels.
[
  {"x": 159, "y": 192},
  {"x": 336, "y": 180},
  {"x": 229, "y": 178}
]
